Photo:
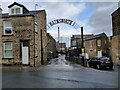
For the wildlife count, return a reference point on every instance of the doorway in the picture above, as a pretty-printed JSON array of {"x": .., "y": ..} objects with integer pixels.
[
  {"x": 25, "y": 52},
  {"x": 99, "y": 53}
]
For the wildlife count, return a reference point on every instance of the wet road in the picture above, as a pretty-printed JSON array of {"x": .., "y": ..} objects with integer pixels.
[{"x": 60, "y": 73}]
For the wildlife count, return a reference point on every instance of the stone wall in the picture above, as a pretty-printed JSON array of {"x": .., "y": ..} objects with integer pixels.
[
  {"x": 41, "y": 26},
  {"x": 115, "y": 49},
  {"x": 104, "y": 46},
  {"x": 76, "y": 60},
  {"x": 51, "y": 46},
  {"x": 22, "y": 28},
  {"x": 91, "y": 49},
  {"x": 115, "y": 42},
  {"x": 116, "y": 22}
]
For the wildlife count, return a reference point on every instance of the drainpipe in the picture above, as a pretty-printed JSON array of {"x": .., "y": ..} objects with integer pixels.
[
  {"x": 34, "y": 33},
  {"x": 41, "y": 48},
  {"x": 34, "y": 40}
]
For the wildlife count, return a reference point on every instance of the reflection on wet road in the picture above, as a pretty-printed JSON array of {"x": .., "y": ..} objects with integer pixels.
[{"x": 60, "y": 73}]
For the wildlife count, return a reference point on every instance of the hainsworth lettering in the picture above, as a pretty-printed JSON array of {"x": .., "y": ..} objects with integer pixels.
[{"x": 67, "y": 21}]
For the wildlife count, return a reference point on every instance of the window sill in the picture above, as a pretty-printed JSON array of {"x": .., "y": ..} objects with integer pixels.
[
  {"x": 7, "y": 58},
  {"x": 8, "y": 35},
  {"x": 36, "y": 32}
]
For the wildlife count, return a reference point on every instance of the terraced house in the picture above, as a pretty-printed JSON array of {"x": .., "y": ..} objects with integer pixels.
[
  {"x": 24, "y": 36},
  {"x": 97, "y": 45}
]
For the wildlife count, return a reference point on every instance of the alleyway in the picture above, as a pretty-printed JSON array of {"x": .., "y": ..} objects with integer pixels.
[{"x": 60, "y": 73}]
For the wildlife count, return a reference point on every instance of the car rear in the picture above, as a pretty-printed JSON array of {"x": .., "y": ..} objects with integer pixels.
[{"x": 106, "y": 62}]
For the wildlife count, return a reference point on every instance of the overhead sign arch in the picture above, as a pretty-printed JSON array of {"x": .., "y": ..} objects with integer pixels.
[{"x": 66, "y": 21}]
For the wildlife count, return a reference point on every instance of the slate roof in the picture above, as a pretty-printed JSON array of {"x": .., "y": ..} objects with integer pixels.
[
  {"x": 95, "y": 36},
  {"x": 26, "y": 13},
  {"x": 30, "y": 13},
  {"x": 116, "y": 11},
  {"x": 15, "y": 3}
]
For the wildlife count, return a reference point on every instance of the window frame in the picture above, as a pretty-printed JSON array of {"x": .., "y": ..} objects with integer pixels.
[
  {"x": 16, "y": 11},
  {"x": 12, "y": 11},
  {"x": 99, "y": 42},
  {"x": 11, "y": 49},
  {"x": 91, "y": 42},
  {"x": 74, "y": 43},
  {"x": 105, "y": 42},
  {"x": 7, "y": 27}
]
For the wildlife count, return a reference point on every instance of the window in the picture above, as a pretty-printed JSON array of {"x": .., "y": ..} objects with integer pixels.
[
  {"x": 90, "y": 43},
  {"x": 25, "y": 43},
  {"x": 105, "y": 42},
  {"x": 74, "y": 43},
  {"x": 12, "y": 11},
  {"x": 91, "y": 50},
  {"x": 7, "y": 27},
  {"x": 8, "y": 50},
  {"x": 17, "y": 10},
  {"x": 98, "y": 42}
]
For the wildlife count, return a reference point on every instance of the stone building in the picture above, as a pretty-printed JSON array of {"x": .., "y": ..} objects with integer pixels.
[
  {"x": 76, "y": 40},
  {"x": 115, "y": 42},
  {"x": 76, "y": 44},
  {"x": 61, "y": 48},
  {"x": 24, "y": 36},
  {"x": 97, "y": 45},
  {"x": 110, "y": 39},
  {"x": 51, "y": 46}
]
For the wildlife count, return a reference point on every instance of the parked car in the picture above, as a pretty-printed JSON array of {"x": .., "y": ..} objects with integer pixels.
[{"x": 101, "y": 62}]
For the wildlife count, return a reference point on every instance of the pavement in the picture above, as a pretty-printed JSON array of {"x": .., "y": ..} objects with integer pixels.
[
  {"x": 29, "y": 68},
  {"x": 11, "y": 68}
]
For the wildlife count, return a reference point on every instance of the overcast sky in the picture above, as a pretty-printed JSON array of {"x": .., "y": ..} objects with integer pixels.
[{"x": 93, "y": 15}]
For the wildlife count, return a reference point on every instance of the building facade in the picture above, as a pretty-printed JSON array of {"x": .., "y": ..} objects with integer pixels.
[
  {"x": 24, "y": 36},
  {"x": 76, "y": 40},
  {"x": 51, "y": 47},
  {"x": 97, "y": 45},
  {"x": 61, "y": 47},
  {"x": 115, "y": 42},
  {"x": 75, "y": 49}
]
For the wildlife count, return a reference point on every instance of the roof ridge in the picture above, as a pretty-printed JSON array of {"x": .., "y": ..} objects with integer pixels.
[{"x": 21, "y": 5}]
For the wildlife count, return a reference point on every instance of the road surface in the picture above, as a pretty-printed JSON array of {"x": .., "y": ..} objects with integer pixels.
[{"x": 60, "y": 73}]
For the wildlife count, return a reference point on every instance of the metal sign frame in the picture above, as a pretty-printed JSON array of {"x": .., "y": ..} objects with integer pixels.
[{"x": 66, "y": 21}]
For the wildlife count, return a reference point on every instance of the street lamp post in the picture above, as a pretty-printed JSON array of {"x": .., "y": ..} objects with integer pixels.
[{"x": 83, "y": 53}]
